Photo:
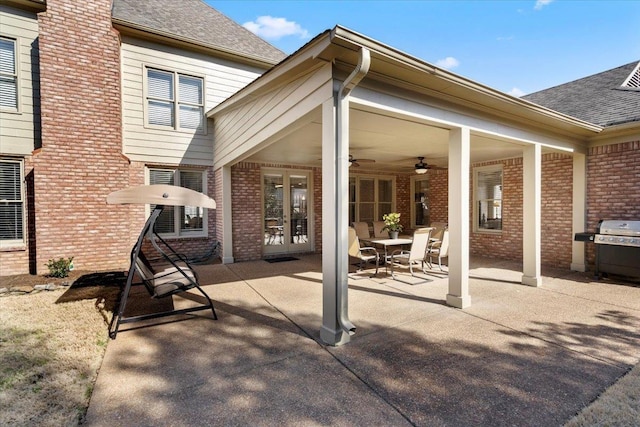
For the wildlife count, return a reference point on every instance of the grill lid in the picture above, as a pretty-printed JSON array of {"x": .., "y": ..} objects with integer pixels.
[{"x": 620, "y": 228}]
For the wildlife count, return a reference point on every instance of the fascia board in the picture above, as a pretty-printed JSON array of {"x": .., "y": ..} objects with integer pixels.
[
  {"x": 615, "y": 134},
  {"x": 463, "y": 88}
]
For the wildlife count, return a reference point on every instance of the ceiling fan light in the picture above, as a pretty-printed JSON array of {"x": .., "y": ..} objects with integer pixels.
[{"x": 421, "y": 170}]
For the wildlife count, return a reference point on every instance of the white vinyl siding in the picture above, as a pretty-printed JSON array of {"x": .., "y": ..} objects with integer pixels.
[
  {"x": 19, "y": 120},
  {"x": 11, "y": 203},
  {"x": 164, "y": 144},
  {"x": 181, "y": 221}
]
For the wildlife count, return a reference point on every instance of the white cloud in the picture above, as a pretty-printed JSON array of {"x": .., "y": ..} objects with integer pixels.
[
  {"x": 516, "y": 92},
  {"x": 448, "y": 63},
  {"x": 541, "y": 3},
  {"x": 275, "y": 28}
]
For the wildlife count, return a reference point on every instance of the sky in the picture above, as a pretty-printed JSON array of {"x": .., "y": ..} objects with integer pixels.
[{"x": 517, "y": 47}]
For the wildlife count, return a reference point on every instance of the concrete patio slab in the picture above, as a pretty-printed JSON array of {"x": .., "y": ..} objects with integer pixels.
[{"x": 519, "y": 356}]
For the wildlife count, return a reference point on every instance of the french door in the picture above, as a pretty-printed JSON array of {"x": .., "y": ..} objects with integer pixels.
[{"x": 287, "y": 208}]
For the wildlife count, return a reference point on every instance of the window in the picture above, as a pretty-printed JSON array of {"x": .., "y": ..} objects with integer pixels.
[
  {"x": 370, "y": 198},
  {"x": 8, "y": 74},
  {"x": 181, "y": 220},
  {"x": 488, "y": 198},
  {"x": 11, "y": 203},
  {"x": 176, "y": 106},
  {"x": 420, "y": 210}
]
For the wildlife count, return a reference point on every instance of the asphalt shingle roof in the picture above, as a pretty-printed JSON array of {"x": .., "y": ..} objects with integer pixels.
[
  {"x": 197, "y": 21},
  {"x": 599, "y": 99}
]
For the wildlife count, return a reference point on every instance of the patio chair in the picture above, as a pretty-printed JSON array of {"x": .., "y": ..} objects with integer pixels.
[
  {"x": 364, "y": 254},
  {"x": 167, "y": 274},
  {"x": 362, "y": 230},
  {"x": 438, "y": 230},
  {"x": 378, "y": 229},
  {"x": 439, "y": 250},
  {"x": 417, "y": 253}
]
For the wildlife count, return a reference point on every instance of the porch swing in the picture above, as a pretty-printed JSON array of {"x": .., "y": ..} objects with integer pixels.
[{"x": 167, "y": 273}]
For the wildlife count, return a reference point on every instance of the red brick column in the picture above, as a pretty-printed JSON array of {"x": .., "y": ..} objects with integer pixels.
[{"x": 80, "y": 161}]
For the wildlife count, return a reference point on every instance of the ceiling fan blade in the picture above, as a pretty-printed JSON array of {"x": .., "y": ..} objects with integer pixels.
[
  {"x": 355, "y": 163},
  {"x": 366, "y": 160}
]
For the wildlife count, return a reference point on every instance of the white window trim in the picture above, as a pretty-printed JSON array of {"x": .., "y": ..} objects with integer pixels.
[
  {"x": 179, "y": 233},
  {"x": 16, "y": 75},
  {"x": 476, "y": 170},
  {"x": 176, "y": 103},
  {"x": 413, "y": 180},
  {"x": 18, "y": 242},
  {"x": 376, "y": 202}
]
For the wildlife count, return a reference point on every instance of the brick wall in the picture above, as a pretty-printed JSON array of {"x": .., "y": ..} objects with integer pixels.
[
  {"x": 557, "y": 209},
  {"x": 80, "y": 161},
  {"x": 439, "y": 195},
  {"x": 508, "y": 243},
  {"x": 556, "y": 235},
  {"x": 246, "y": 207},
  {"x": 613, "y": 185}
]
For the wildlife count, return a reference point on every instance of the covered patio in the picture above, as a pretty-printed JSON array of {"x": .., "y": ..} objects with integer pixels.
[
  {"x": 521, "y": 355},
  {"x": 344, "y": 94}
]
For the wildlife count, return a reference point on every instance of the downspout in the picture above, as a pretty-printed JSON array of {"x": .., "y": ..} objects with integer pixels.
[{"x": 342, "y": 196}]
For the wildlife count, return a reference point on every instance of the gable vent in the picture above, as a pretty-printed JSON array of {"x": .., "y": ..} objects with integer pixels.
[{"x": 633, "y": 81}]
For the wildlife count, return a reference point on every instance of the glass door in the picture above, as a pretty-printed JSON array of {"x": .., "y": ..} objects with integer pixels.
[{"x": 287, "y": 210}]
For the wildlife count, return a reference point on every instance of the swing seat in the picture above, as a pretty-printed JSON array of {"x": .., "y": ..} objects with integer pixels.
[{"x": 169, "y": 274}]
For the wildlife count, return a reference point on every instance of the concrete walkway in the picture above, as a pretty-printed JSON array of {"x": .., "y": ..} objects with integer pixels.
[{"x": 519, "y": 356}]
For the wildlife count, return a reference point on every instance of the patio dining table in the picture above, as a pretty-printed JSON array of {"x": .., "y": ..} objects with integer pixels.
[{"x": 386, "y": 243}]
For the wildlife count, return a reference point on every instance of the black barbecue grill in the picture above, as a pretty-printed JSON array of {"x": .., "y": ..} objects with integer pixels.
[{"x": 617, "y": 248}]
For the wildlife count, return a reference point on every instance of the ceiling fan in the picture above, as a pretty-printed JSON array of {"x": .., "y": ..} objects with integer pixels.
[
  {"x": 356, "y": 162},
  {"x": 421, "y": 167}
]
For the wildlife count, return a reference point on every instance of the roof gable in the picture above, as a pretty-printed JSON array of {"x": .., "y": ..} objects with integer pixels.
[
  {"x": 604, "y": 98},
  {"x": 196, "y": 21}
]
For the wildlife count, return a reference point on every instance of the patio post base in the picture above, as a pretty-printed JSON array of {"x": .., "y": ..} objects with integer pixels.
[
  {"x": 459, "y": 301},
  {"x": 532, "y": 281},
  {"x": 334, "y": 337}
]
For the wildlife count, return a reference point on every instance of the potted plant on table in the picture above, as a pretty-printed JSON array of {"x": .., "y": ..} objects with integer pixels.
[{"x": 392, "y": 224}]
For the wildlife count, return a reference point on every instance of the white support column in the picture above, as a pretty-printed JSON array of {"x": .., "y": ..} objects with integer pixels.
[
  {"x": 459, "y": 163},
  {"x": 531, "y": 222},
  {"x": 578, "y": 262},
  {"x": 227, "y": 223},
  {"x": 335, "y": 193}
]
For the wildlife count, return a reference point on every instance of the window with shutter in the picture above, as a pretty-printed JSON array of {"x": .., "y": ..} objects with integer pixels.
[
  {"x": 177, "y": 106},
  {"x": 488, "y": 198},
  {"x": 11, "y": 203},
  {"x": 181, "y": 220},
  {"x": 8, "y": 74}
]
